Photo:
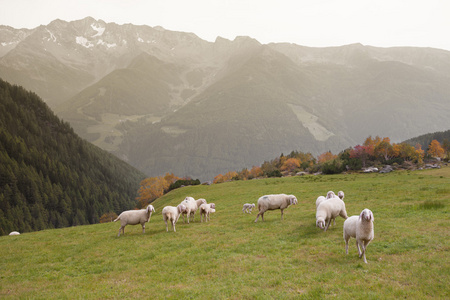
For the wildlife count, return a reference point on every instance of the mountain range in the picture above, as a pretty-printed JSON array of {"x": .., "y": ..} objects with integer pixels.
[{"x": 167, "y": 101}]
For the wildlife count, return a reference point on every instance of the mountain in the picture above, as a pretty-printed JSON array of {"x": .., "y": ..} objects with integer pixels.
[
  {"x": 443, "y": 137},
  {"x": 168, "y": 101},
  {"x": 49, "y": 176}
]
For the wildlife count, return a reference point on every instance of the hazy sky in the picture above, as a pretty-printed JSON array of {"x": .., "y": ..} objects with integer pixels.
[{"x": 318, "y": 23}]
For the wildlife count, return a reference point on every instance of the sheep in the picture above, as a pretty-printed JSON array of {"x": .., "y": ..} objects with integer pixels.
[
  {"x": 272, "y": 202},
  {"x": 206, "y": 209},
  {"x": 247, "y": 208},
  {"x": 361, "y": 228},
  {"x": 199, "y": 203},
  {"x": 172, "y": 214},
  {"x": 328, "y": 211},
  {"x": 14, "y": 233},
  {"x": 134, "y": 217},
  {"x": 341, "y": 195},
  {"x": 191, "y": 207}
]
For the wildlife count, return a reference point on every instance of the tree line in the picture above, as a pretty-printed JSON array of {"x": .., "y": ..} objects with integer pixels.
[{"x": 373, "y": 152}]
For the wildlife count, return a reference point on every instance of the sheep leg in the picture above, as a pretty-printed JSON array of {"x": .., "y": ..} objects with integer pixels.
[
  {"x": 121, "y": 228},
  {"x": 328, "y": 224},
  {"x": 173, "y": 225},
  {"x": 358, "y": 247},
  {"x": 346, "y": 244},
  {"x": 143, "y": 228},
  {"x": 282, "y": 214},
  {"x": 257, "y": 216},
  {"x": 167, "y": 227}
]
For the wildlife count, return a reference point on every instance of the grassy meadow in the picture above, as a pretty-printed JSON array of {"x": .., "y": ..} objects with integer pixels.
[{"x": 232, "y": 257}]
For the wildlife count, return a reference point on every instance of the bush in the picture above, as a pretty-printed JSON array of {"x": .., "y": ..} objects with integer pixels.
[
  {"x": 336, "y": 166},
  {"x": 183, "y": 182},
  {"x": 274, "y": 173}
]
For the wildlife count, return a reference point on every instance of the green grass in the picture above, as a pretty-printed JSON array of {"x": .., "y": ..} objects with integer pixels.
[{"x": 232, "y": 257}]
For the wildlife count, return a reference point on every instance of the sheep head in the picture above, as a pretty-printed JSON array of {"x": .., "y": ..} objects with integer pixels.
[
  {"x": 292, "y": 200},
  {"x": 181, "y": 208},
  {"x": 320, "y": 223},
  {"x": 366, "y": 215}
]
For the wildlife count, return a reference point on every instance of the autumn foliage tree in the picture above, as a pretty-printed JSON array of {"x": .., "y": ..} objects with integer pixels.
[
  {"x": 154, "y": 187},
  {"x": 327, "y": 156},
  {"x": 435, "y": 149},
  {"x": 290, "y": 165}
]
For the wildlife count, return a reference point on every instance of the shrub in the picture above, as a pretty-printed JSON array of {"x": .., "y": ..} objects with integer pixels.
[{"x": 335, "y": 166}]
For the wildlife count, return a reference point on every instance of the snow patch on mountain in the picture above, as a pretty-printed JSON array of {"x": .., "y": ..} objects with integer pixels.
[
  {"x": 101, "y": 42},
  {"x": 100, "y": 30},
  {"x": 81, "y": 40}
]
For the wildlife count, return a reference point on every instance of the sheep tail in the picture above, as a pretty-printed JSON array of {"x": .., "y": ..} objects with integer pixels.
[{"x": 118, "y": 218}]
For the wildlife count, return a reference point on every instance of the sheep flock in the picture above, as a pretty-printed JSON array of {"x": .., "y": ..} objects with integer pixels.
[{"x": 328, "y": 208}]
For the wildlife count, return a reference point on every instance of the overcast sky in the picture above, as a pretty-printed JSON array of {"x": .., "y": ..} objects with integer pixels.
[{"x": 316, "y": 23}]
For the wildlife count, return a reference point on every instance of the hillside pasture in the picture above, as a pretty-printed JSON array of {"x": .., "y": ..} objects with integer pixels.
[{"x": 233, "y": 257}]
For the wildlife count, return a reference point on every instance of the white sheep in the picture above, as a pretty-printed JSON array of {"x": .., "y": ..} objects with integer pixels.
[
  {"x": 172, "y": 214},
  {"x": 199, "y": 202},
  {"x": 361, "y": 228},
  {"x": 341, "y": 195},
  {"x": 14, "y": 233},
  {"x": 328, "y": 211},
  {"x": 134, "y": 217},
  {"x": 206, "y": 209},
  {"x": 272, "y": 202},
  {"x": 247, "y": 208},
  {"x": 191, "y": 207}
]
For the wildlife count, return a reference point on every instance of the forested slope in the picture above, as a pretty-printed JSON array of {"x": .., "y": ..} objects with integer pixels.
[{"x": 50, "y": 177}]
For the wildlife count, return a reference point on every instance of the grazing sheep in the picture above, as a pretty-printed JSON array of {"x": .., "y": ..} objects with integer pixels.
[
  {"x": 361, "y": 228},
  {"x": 172, "y": 214},
  {"x": 14, "y": 233},
  {"x": 341, "y": 195},
  {"x": 247, "y": 208},
  {"x": 328, "y": 211},
  {"x": 206, "y": 209},
  {"x": 134, "y": 217},
  {"x": 272, "y": 202},
  {"x": 319, "y": 200}
]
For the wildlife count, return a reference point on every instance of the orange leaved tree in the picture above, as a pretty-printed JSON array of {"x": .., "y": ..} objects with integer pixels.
[{"x": 435, "y": 149}]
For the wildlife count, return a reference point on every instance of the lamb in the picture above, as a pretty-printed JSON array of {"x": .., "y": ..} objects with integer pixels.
[
  {"x": 328, "y": 211},
  {"x": 247, "y": 208},
  {"x": 361, "y": 228},
  {"x": 134, "y": 217},
  {"x": 14, "y": 233},
  {"x": 272, "y": 202},
  {"x": 206, "y": 209},
  {"x": 172, "y": 214}
]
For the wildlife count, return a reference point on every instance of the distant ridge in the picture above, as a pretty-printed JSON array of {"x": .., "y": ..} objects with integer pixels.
[{"x": 168, "y": 101}]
